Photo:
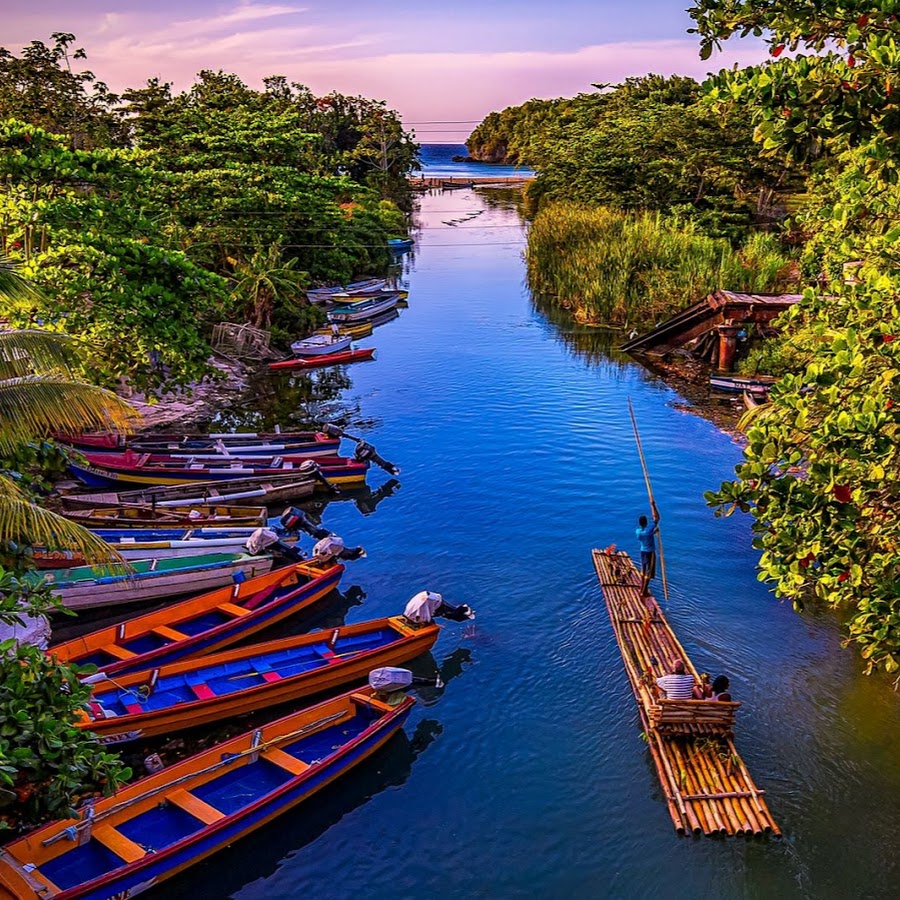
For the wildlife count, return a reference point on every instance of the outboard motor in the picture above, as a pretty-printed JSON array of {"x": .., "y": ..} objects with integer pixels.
[
  {"x": 426, "y": 605},
  {"x": 365, "y": 452},
  {"x": 264, "y": 540},
  {"x": 388, "y": 680},
  {"x": 332, "y": 547},
  {"x": 311, "y": 467},
  {"x": 293, "y": 519}
]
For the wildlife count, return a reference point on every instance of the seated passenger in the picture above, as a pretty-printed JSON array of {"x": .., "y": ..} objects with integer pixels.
[
  {"x": 703, "y": 691},
  {"x": 678, "y": 685},
  {"x": 720, "y": 688}
]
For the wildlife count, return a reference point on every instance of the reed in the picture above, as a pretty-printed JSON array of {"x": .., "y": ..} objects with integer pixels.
[{"x": 632, "y": 269}]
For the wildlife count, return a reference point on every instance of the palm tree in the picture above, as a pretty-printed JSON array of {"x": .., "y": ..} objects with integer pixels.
[
  {"x": 40, "y": 394},
  {"x": 264, "y": 280}
]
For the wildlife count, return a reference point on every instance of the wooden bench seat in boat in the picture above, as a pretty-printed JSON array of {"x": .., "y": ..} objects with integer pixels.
[
  {"x": 686, "y": 716},
  {"x": 286, "y": 761},
  {"x": 169, "y": 634},
  {"x": 194, "y": 806},
  {"x": 233, "y": 609},
  {"x": 125, "y": 848}
]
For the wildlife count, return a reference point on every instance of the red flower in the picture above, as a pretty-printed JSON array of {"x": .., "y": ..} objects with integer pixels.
[
  {"x": 889, "y": 404},
  {"x": 887, "y": 338},
  {"x": 843, "y": 576},
  {"x": 851, "y": 61},
  {"x": 809, "y": 558},
  {"x": 778, "y": 50},
  {"x": 862, "y": 21},
  {"x": 28, "y": 138},
  {"x": 842, "y": 493}
]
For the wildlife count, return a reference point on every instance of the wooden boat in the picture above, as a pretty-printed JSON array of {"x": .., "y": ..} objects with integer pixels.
[
  {"x": 354, "y": 330},
  {"x": 269, "y": 443},
  {"x": 240, "y": 681},
  {"x": 204, "y": 623},
  {"x": 320, "y": 344},
  {"x": 154, "y": 828},
  {"x": 456, "y": 185},
  {"x": 332, "y": 359},
  {"x": 324, "y": 294},
  {"x": 349, "y": 299},
  {"x": 89, "y": 587},
  {"x": 109, "y": 470},
  {"x": 366, "y": 309},
  {"x": 758, "y": 385},
  {"x": 203, "y": 493},
  {"x": 182, "y": 516}
]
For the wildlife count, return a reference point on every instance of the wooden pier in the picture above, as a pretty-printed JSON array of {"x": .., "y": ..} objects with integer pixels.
[{"x": 706, "y": 783}]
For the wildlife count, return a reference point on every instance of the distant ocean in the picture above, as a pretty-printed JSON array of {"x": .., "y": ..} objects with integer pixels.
[{"x": 437, "y": 162}]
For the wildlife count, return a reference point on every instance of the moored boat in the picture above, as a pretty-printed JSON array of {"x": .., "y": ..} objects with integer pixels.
[
  {"x": 110, "y": 470},
  {"x": 183, "y": 516},
  {"x": 324, "y": 294},
  {"x": 399, "y": 245},
  {"x": 354, "y": 330},
  {"x": 366, "y": 309},
  {"x": 204, "y": 623},
  {"x": 332, "y": 359},
  {"x": 758, "y": 385},
  {"x": 239, "y": 681},
  {"x": 320, "y": 344},
  {"x": 152, "y": 829},
  {"x": 257, "y": 443},
  {"x": 289, "y": 486},
  {"x": 89, "y": 587}
]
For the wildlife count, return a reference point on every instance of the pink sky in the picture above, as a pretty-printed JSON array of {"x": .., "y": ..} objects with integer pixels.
[{"x": 450, "y": 62}]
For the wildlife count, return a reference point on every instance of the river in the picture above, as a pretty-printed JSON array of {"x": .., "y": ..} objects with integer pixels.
[{"x": 526, "y": 776}]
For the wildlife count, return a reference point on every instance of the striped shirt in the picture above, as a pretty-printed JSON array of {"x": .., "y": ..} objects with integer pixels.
[{"x": 677, "y": 687}]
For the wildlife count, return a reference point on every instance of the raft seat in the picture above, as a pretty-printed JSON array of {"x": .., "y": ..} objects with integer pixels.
[
  {"x": 114, "y": 840},
  {"x": 194, "y": 806},
  {"x": 286, "y": 761},
  {"x": 670, "y": 717},
  {"x": 170, "y": 633},
  {"x": 118, "y": 652},
  {"x": 233, "y": 610}
]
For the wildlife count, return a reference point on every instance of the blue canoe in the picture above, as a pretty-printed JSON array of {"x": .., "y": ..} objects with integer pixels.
[{"x": 152, "y": 829}]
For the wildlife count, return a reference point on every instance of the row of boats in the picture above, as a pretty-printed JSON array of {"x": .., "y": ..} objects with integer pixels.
[{"x": 193, "y": 662}]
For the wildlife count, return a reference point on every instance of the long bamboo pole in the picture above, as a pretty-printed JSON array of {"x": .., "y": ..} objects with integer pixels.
[{"x": 662, "y": 557}]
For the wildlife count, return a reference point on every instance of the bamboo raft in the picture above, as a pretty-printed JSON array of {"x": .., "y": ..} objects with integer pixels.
[{"x": 707, "y": 786}]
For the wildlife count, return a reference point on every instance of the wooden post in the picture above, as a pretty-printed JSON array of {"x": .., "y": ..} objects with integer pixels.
[{"x": 727, "y": 346}]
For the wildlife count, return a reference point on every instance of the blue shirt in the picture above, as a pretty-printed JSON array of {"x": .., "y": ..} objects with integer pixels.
[{"x": 645, "y": 537}]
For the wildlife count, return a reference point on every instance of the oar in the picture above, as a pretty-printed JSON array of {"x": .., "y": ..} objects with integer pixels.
[{"x": 662, "y": 558}]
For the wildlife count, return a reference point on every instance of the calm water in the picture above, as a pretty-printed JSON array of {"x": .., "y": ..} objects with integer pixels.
[
  {"x": 437, "y": 162},
  {"x": 526, "y": 776}
]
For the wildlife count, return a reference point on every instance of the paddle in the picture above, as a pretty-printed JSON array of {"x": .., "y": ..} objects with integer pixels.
[{"x": 662, "y": 558}]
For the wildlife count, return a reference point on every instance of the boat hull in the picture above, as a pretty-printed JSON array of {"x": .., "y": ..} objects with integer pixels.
[
  {"x": 257, "y": 670},
  {"x": 273, "y": 786},
  {"x": 311, "y": 347},
  {"x": 202, "y": 624},
  {"x": 334, "y": 359},
  {"x": 116, "y": 590},
  {"x": 181, "y": 517},
  {"x": 368, "y": 309}
]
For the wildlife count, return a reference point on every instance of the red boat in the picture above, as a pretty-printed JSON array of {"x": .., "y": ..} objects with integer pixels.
[{"x": 327, "y": 359}]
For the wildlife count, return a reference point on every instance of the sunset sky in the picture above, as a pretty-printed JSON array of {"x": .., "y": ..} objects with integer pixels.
[{"x": 445, "y": 62}]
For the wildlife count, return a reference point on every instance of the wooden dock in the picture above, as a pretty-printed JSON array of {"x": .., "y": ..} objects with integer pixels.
[{"x": 706, "y": 783}]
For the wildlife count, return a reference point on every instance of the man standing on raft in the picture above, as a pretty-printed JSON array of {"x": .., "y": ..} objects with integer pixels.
[{"x": 646, "y": 537}]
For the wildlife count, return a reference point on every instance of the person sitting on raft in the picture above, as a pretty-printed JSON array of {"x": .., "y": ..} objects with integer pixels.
[
  {"x": 720, "y": 688},
  {"x": 678, "y": 685}
]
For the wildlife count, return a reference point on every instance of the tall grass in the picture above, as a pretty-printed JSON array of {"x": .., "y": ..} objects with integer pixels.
[{"x": 633, "y": 269}]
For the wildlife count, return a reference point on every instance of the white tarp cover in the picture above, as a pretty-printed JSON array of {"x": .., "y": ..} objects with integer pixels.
[
  {"x": 421, "y": 608},
  {"x": 389, "y": 678},
  {"x": 329, "y": 547},
  {"x": 261, "y": 540}
]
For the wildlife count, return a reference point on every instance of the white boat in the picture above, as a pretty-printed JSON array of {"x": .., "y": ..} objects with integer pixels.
[
  {"x": 320, "y": 344},
  {"x": 88, "y": 587},
  {"x": 366, "y": 309},
  {"x": 324, "y": 294}
]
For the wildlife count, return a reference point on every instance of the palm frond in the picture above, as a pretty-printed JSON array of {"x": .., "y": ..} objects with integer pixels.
[
  {"x": 28, "y": 525},
  {"x": 15, "y": 287},
  {"x": 34, "y": 352},
  {"x": 752, "y": 415},
  {"x": 38, "y": 405}
]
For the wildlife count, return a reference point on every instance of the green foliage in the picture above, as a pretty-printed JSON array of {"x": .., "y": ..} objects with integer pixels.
[
  {"x": 634, "y": 268},
  {"x": 47, "y": 764},
  {"x": 648, "y": 144}
]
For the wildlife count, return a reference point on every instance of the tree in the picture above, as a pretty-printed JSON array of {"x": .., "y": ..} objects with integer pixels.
[{"x": 821, "y": 473}]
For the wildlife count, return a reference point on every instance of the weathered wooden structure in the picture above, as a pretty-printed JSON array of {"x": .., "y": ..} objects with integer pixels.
[
  {"x": 707, "y": 786},
  {"x": 712, "y": 325}
]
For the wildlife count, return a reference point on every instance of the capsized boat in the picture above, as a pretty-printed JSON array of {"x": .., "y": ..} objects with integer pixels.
[
  {"x": 110, "y": 470},
  {"x": 366, "y": 309},
  {"x": 182, "y": 516},
  {"x": 204, "y": 623},
  {"x": 244, "y": 680},
  {"x": 320, "y": 344},
  {"x": 324, "y": 294},
  {"x": 288, "y": 486},
  {"x": 259, "y": 443},
  {"x": 152, "y": 829},
  {"x": 332, "y": 359},
  {"x": 89, "y": 587}
]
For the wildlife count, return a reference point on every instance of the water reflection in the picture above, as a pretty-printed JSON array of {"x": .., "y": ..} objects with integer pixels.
[
  {"x": 593, "y": 344},
  {"x": 366, "y": 499}
]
